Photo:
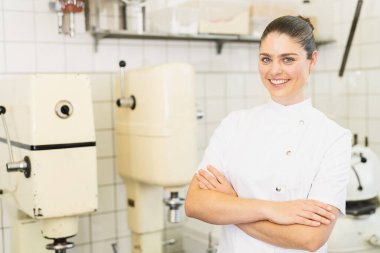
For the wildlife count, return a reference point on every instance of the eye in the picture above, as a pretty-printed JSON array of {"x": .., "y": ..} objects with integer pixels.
[
  {"x": 288, "y": 60},
  {"x": 265, "y": 60}
]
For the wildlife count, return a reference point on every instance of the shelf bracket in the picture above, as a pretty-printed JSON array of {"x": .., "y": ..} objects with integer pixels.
[
  {"x": 97, "y": 38},
  {"x": 219, "y": 46}
]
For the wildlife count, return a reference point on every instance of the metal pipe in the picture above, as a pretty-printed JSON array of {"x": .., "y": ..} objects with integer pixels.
[{"x": 350, "y": 37}]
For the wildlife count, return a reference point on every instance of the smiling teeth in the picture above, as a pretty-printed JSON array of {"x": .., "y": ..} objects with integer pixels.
[{"x": 279, "y": 81}]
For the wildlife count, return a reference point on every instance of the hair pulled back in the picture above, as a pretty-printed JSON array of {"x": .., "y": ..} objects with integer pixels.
[{"x": 296, "y": 27}]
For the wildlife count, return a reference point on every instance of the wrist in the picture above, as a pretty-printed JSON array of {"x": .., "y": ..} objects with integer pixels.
[{"x": 263, "y": 209}]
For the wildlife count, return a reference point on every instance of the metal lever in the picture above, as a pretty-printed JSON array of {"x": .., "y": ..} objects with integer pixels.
[
  {"x": 129, "y": 102},
  {"x": 23, "y": 166}
]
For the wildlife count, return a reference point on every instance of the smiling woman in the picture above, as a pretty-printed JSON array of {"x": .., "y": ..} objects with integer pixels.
[
  {"x": 275, "y": 175},
  {"x": 286, "y": 59}
]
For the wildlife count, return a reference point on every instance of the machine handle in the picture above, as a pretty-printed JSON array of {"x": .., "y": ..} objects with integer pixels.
[
  {"x": 2, "y": 110},
  {"x": 23, "y": 166},
  {"x": 123, "y": 101}
]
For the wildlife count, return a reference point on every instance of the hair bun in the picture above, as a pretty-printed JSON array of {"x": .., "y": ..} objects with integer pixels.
[{"x": 307, "y": 20}]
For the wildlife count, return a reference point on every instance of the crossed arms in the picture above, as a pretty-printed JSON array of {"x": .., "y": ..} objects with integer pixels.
[{"x": 298, "y": 224}]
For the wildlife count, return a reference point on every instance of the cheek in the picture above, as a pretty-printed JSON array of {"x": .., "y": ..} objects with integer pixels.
[
  {"x": 298, "y": 72},
  {"x": 262, "y": 70}
]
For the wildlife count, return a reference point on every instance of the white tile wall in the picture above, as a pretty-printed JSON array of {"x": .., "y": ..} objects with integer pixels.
[
  {"x": 240, "y": 53},
  {"x": 47, "y": 27},
  {"x": 106, "y": 196},
  {"x": 154, "y": 53},
  {"x": 369, "y": 26},
  {"x": 373, "y": 106},
  {"x": 20, "y": 5},
  {"x": 1, "y": 25},
  {"x": 200, "y": 57},
  {"x": 132, "y": 54},
  {"x": 50, "y": 57},
  {"x": 2, "y": 57},
  {"x": 103, "y": 115},
  {"x": 79, "y": 57},
  {"x": 20, "y": 57},
  {"x": 215, "y": 85},
  {"x": 121, "y": 196},
  {"x": 106, "y": 58},
  {"x": 178, "y": 53},
  {"x": 84, "y": 228},
  {"x": 19, "y": 26},
  {"x": 122, "y": 224},
  {"x": 106, "y": 171},
  {"x": 104, "y": 143},
  {"x": 101, "y": 85},
  {"x": 253, "y": 85},
  {"x": 103, "y": 246},
  {"x": 221, "y": 62},
  {"x": 103, "y": 227},
  {"x": 321, "y": 84},
  {"x": 81, "y": 249},
  {"x": 373, "y": 81},
  {"x": 366, "y": 54},
  {"x": 41, "y": 6},
  {"x": 235, "y": 85}
]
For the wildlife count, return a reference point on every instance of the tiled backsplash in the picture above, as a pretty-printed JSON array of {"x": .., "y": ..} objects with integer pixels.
[{"x": 29, "y": 43}]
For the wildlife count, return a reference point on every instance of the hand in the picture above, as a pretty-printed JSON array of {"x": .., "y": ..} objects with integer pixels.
[
  {"x": 305, "y": 212},
  {"x": 214, "y": 180}
]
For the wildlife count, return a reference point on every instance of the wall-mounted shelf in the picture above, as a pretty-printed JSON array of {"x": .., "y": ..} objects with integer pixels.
[{"x": 218, "y": 39}]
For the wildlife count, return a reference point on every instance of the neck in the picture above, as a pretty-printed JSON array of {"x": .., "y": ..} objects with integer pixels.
[{"x": 285, "y": 101}]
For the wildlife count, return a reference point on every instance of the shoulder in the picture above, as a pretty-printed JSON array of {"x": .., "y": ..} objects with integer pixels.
[{"x": 332, "y": 130}]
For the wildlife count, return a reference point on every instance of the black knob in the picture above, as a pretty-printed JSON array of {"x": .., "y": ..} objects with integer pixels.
[
  {"x": 65, "y": 110},
  {"x": 362, "y": 158},
  {"x": 2, "y": 110},
  {"x": 122, "y": 64}
]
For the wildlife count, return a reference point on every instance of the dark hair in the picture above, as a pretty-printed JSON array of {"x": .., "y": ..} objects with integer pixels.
[{"x": 296, "y": 27}]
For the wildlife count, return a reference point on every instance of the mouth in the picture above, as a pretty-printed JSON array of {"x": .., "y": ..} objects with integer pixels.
[{"x": 279, "y": 82}]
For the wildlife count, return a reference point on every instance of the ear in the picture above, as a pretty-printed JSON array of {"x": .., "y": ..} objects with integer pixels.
[{"x": 313, "y": 60}]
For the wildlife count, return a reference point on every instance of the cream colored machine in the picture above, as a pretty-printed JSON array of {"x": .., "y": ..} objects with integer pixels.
[
  {"x": 156, "y": 146},
  {"x": 48, "y": 155}
]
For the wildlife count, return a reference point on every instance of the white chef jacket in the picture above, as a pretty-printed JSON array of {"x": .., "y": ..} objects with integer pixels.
[{"x": 279, "y": 153}]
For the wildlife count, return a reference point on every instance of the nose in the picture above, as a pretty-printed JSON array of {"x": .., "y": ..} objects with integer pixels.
[{"x": 276, "y": 68}]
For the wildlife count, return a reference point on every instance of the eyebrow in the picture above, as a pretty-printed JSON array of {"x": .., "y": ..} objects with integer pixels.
[{"x": 281, "y": 55}]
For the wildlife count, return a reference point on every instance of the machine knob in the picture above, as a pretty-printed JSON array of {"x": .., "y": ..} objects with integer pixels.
[
  {"x": 122, "y": 64},
  {"x": 64, "y": 109},
  {"x": 2, "y": 110}
]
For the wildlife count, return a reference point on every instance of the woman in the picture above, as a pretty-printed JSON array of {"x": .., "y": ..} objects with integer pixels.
[{"x": 275, "y": 176}]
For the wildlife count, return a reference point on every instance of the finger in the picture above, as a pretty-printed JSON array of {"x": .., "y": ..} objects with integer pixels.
[
  {"x": 219, "y": 176},
  {"x": 307, "y": 222},
  {"x": 315, "y": 217},
  {"x": 205, "y": 182},
  {"x": 212, "y": 180},
  {"x": 319, "y": 208}
]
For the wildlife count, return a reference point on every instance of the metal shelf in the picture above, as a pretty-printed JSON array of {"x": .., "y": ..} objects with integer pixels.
[{"x": 218, "y": 39}]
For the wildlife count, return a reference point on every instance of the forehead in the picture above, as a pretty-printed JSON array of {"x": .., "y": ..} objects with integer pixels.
[{"x": 276, "y": 44}]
